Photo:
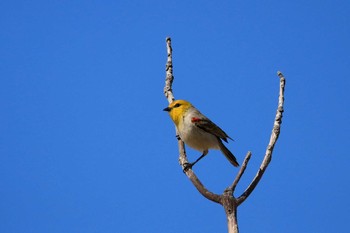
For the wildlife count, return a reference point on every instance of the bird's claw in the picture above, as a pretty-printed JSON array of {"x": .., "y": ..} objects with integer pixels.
[{"x": 187, "y": 166}]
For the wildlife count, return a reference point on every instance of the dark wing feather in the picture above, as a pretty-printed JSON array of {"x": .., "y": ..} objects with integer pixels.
[{"x": 210, "y": 127}]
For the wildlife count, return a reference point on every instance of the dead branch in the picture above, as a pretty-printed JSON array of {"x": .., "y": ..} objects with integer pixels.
[
  {"x": 227, "y": 199},
  {"x": 183, "y": 157},
  {"x": 273, "y": 139}
]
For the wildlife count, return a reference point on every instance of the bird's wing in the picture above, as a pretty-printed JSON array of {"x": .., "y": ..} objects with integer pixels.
[{"x": 210, "y": 127}]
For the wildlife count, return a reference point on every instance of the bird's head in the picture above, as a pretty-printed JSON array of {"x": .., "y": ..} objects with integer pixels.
[{"x": 177, "y": 109}]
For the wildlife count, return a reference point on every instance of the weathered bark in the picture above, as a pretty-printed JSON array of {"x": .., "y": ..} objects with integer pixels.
[
  {"x": 227, "y": 199},
  {"x": 230, "y": 205}
]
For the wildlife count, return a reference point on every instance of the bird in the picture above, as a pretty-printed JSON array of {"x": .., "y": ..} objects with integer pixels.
[{"x": 197, "y": 131}]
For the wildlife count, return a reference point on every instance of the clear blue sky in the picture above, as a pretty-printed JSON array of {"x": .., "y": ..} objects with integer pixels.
[{"x": 86, "y": 147}]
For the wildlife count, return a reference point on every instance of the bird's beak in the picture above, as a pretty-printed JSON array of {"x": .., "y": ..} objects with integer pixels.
[{"x": 167, "y": 109}]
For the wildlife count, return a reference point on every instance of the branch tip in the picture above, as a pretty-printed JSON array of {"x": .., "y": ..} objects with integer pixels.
[
  {"x": 232, "y": 187},
  {"x": 273, "y": 139},
  {"x": 280, "y": 75}
]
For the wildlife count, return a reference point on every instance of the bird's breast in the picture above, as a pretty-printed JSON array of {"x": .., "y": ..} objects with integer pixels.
[{"x": 195, "y": 137}]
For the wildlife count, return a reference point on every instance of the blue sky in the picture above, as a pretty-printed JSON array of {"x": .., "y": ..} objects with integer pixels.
[{"x": 86, "y": 147}]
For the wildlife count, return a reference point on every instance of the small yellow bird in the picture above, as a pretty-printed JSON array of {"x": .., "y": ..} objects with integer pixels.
[{"x": 197, "y": 131}]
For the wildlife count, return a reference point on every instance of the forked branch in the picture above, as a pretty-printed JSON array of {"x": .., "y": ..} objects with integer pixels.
[
  {"x": 227, "y": 199},
  {"x": 273, "y": 139}
]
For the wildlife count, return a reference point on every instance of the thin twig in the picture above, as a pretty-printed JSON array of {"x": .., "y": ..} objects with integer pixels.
[
  {"x": 241, "y": 172},
  {"x": 200, "y": 187},
  {"x": 274, "y": 136},
  {"x": 168, "y": 92}
]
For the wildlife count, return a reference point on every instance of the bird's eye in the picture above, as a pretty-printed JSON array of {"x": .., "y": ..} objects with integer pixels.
[{"x": 177, "y": 105}]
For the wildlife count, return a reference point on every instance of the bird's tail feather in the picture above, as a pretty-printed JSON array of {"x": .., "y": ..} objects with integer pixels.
[{"x": 230, "y": 157}]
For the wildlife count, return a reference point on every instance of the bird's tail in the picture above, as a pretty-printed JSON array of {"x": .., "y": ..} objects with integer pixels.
[{"x": 230, "y": 157}]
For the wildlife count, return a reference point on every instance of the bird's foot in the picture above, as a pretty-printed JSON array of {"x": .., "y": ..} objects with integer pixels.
[{"x": 187, "y": 166}]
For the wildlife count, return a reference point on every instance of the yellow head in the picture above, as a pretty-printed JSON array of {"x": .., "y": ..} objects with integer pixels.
[{"x": 177, "y": 109}]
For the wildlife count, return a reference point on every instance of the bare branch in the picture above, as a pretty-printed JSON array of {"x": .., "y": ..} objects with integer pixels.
[
  {"x": 230, "y": 205},
  {"x": 232, "y": 187},
  {"x": 274, "y": 136},
  {"x": 227, "y": 199},
  {"x": 200, "y": 187},
  {"x": 168, "y": 92},
  {"x": 192, "y": 176}
]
